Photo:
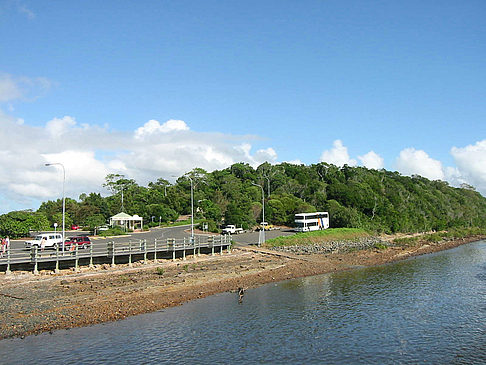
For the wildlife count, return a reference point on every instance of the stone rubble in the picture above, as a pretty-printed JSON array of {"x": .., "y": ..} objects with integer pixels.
[{"x": 334, "y": 246}]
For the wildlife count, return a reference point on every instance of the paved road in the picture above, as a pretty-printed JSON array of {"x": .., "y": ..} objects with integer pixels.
[
  {"x": 251, "y": 238},
  {"x": 100, "y": 242},
  {"x": 161, "y": 234}
]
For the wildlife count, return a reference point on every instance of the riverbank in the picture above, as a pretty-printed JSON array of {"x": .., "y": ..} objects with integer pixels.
[{"x": 33, "y": 304}]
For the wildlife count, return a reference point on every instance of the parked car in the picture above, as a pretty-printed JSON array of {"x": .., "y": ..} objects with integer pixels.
[
  {"x": 75, "y": 227},
  {"x": 52, "y": 240},
  {"x": 103, "y": 228},
  {"x": 232, "y": 229},
  {"x": 80, "y": 241}
]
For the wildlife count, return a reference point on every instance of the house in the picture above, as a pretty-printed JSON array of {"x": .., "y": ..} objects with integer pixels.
[{"x": 127, "y": 221}]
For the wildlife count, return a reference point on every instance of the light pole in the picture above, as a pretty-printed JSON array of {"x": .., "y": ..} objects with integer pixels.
[
  {"x": 262, "y": 240},
  {"x": 192, "y": 208},
  {"x": 192, "y": 211},
  {"x": 63, "y": 199}
]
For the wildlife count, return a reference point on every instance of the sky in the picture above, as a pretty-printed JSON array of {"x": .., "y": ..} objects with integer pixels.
[{"x": 152, "y": 89}]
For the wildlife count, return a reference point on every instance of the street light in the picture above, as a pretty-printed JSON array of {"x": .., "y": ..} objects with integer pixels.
[
  {"x": 63, "y": 199},
  {"x": 192, "y": 208},
  {"x": 262, "y": 235}
]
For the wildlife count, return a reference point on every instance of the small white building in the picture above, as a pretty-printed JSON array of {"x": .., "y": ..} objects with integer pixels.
[{"x": 127, "y": 221}]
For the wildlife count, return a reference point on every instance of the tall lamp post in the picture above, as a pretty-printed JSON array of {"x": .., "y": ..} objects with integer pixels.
[
  {"x": 262, "y": 240},
  {"x": 192, "y": 208},
  {"x": 192, "y": 211},
  {"x": 63, "y": 199}
]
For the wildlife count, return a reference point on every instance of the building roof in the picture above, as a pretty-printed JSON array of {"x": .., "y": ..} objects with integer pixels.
[{"x": 122, "y": 216}]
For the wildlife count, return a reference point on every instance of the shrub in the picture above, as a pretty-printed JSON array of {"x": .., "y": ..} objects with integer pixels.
[
  {"x": 380, "y": 246},
  {"x": 115, "y": 231}
]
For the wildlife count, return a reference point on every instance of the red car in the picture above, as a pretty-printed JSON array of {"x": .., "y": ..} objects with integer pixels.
[
  {"x": 81, "y": 241},
  {"x": 74, "y": 227}
]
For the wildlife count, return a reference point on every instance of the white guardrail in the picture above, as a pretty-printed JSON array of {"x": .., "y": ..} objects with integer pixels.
[{"x": 21, "y": 258}]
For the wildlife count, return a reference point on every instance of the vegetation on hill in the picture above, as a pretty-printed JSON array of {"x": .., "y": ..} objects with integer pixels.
[
  {"x": 355, "y": 197},
  {"x": 308, "y": 238}
]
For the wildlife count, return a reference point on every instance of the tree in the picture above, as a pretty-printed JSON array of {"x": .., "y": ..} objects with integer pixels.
[
  {"x": 20, "y": 223},
  {"x": 94, "y": 221}
]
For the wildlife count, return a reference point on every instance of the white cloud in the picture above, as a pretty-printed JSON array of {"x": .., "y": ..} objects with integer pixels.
[
  {"x": 9, "y": 89},
  {"x": 418, "y": 162},
  {"x": 154, "y": 127},
  {"x": 295, "y": 162},
  {"x": 15, "y": 88},
  {"x": 338, "y": 155},
  {"x": 59, "y": 126},
  {"x": 90, "y": 152},
  {"x": 471, "y": 165},
  {"x": 372, "y": 160}
]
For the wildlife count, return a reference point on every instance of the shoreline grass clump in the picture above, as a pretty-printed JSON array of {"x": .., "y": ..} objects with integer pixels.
[
  {"x": 437, "y": 237},
  {"x": 310, "y": 238}
]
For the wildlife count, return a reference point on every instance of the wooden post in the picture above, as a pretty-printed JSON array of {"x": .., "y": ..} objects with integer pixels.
[
  {"x": 193, "y": 239},
  {"x": 130, "y": 253},
  {"x": 56, "y": 270},
  {"x": 76, "y": 258},
  {"x": 211, "y": 244},
  {"x": 111, "y": 252},
  {"x": 8, "y": 261},
  {"x": 171, "y": 245},
  {"x": 33, "y": 255},
  {"x": 155, "y": 250},
  {"x": 184, "y": 249},
  {"x": 91, "y": 255},
  {"x": 145, "y": 251}
]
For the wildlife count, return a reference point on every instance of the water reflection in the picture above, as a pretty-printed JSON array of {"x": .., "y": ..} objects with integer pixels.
[{"x": 427, "y": 309}]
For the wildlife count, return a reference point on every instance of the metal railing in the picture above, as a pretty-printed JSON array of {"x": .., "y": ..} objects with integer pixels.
[{"x": 114, "y": 253}]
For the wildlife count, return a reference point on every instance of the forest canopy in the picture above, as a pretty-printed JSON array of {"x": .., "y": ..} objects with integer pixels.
[{"x": 376, "y": 200}]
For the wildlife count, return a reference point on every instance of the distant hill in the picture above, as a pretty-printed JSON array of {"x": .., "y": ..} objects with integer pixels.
[{"x": 377, "y": 200}]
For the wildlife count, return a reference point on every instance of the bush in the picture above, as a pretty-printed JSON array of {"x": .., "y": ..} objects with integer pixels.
[
  {"x": 115, "y": 231},
  {"x": 380, "y": 246},
  {"x": 212, "y": 226}
]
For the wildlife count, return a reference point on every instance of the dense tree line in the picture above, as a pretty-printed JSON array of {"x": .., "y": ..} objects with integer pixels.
[{"x": 377, "y": 200}]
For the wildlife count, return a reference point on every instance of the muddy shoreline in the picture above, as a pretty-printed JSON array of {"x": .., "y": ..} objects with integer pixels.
[{"x": 34, "y": 304}]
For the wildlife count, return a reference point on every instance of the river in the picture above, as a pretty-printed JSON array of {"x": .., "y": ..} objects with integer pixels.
[{"x": 429, "y": 309}]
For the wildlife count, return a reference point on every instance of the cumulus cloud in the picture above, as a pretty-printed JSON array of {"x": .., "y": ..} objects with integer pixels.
[
  {"x": 372, "y": 160},
  {"x": 90, "y": 152},
  {"x": 154, "y": 127},
  {"x": 471, "y": 164},
  {"x": 418, "y": 162},
  {"x": 338, "y": 155},
  {"x": 59, "y": 126}
]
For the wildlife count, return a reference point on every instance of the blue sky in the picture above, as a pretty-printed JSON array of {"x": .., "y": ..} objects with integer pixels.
[{"x": 299, "y": 81}]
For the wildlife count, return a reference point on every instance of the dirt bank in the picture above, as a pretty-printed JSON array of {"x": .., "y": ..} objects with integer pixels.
[{"x": 33, "y": 304}]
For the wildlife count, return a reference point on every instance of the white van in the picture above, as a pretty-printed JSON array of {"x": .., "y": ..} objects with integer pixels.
[{"x": 51, "y": 240}]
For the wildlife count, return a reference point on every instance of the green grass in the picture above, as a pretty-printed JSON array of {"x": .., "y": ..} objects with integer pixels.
[
  {"x": 308, "y": 238},
  {"x": 182, "y": 223},
  {"x": 115, "y": 231},
  {"x": 451, "y": 234}
]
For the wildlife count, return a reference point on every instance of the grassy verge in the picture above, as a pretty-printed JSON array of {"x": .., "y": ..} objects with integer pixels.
[
  {"x": 181, "y": 223},
  {"x": 452, "y": 234},
  {"x": 308, "y": 238},
  {"x": 115, "y": 231}
]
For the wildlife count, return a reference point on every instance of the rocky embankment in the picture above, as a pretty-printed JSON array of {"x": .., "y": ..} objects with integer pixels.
[{"x": 334, "y": 246}]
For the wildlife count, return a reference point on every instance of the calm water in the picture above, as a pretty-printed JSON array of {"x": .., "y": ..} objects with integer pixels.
[{"x": 430, "y": 309}]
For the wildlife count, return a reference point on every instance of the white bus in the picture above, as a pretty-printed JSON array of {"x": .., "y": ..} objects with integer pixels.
[{"x": 305, "y": 222}]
